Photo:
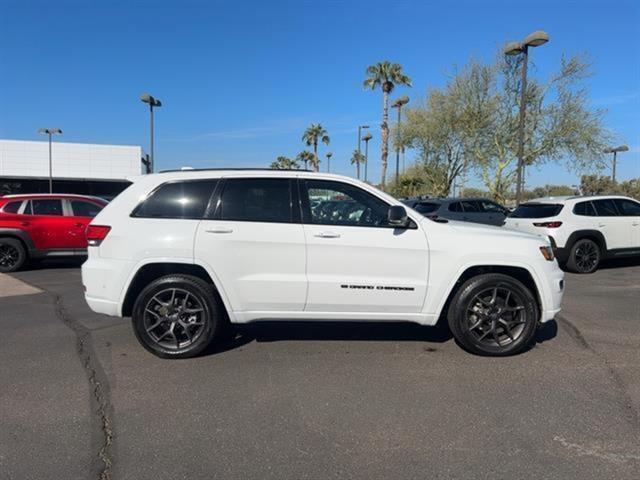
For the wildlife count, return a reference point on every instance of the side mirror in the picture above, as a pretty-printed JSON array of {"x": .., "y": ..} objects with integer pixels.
[{"x": 397, "y": 216}]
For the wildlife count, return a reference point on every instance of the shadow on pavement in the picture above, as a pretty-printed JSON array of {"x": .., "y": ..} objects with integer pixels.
[
  {"x": 66, "y": 262},
  {"x": 620, "y": 263}
]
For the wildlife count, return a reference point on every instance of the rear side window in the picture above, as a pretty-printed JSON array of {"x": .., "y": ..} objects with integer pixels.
[
  {"x": 256, "y": 200},
  {"x": 605, "y": 208},
  {"x": 12, "y": 207},
  {"x": 46, "y": 207},
  {"x": 627, "y": 208},
  {"x": 455, "y": 207},
  {"x": 537, "y": 210},
  {"x": 585, "y": 209},
  {"x": 491, "y": 207},
  {"x": 470, "y": 206},
  {"x": 426, "y": 207},
  {"x": 81, "y": 208},
  {"x": 185, "y": 199}
]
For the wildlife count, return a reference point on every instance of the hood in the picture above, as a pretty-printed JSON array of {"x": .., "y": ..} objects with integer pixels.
[{"x": 489, "y": 230}]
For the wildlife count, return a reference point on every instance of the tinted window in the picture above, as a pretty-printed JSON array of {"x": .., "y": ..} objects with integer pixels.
[
  {"x": 342, "y": 204},
  {"x": 12, "y": 207},
  {"x": 257, "y": 200},
  {"x": 455, "y": 207},
  {"x": 81, "y": 208},
  {"x": 626, "y": 208},
  {"x": 426, "y": 207},
  {"x": 491, "y": 207},
  {"x": 46, "y": 207},
  {"x": 470, "y": 206},
  {"x": 605, "y": 208},
  {"x": 584, "y": 208},
  {"x": 186, "y": 199},
  {"x": 536, "y": 210}
]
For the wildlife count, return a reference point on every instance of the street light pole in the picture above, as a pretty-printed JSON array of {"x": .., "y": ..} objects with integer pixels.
[
  {"x": 153, "y": 102},
  {"x": 360, "y": 128},
  {"x": 50, "y": 132},
  {"x": 398, "y": 104},
  {"x": 366, "y": 139},
  {"x": 534, "y": 39},
  {"x": 329, "y": 155},
  {"x": 615, "y": 150}
]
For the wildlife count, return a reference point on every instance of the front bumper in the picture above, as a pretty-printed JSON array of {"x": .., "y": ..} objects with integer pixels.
[{"x": 551, "y": 290}]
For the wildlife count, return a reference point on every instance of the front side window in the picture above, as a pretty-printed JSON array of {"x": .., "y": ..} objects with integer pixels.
[
  {"x": 46, "y": 207},
  {"x": 336, "y": 203},
  {"x": 628, "y": 208},
  {"x": 183, "y": 200},
  {"x": 80, "y": 208},
  {"x": 605, "y": 208},
  {"x": 584, "y": 209},
  {"x": 256, "y": 200},
  {"x": 12, "y": 207}
]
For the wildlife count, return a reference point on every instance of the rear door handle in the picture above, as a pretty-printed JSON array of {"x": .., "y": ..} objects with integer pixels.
[
  {"x": 602, "y": 224},
  {"x": 219, "y": 230},
  {"x": 25, "y": 224},
  {"x": 78, "y": 224},
  {"x": 327, "y": 235}
]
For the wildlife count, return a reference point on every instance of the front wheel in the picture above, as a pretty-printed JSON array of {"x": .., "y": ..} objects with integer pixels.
[
  {"x": 493, "y": 314},
  {"x": 177, "y": 316}
]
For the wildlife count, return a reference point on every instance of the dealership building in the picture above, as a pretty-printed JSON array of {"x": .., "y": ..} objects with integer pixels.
[{"x": 90, "y": 169}]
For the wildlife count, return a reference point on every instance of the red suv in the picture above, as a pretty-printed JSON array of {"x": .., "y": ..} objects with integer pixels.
[{"x": 39, "y": 226}]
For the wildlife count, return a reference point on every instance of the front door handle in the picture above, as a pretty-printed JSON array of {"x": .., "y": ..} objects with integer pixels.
[
  {"x": 327, "y": 235},
  {"x": 219, "y": 230}
]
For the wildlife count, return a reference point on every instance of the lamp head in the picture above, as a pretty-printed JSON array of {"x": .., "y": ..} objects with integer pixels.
[{"x": 537, "y": 38}]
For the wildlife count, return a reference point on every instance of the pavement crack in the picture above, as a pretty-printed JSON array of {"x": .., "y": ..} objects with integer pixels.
[
  {"x": 626, "y": 399},
  {"x": 99, "y": 388}
]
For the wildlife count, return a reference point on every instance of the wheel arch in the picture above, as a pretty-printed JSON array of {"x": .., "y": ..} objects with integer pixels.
[
  {"x": 594, "y": 235},
  {"x": 520, "y": 273},
  {"x": 19, "y": 235},
  {"x": 150, "y": 271}
]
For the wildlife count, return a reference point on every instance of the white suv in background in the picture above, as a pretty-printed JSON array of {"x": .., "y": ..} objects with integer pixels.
[
  {"x": 583, "y": 230},
  {"x": 183, "y": 253}
]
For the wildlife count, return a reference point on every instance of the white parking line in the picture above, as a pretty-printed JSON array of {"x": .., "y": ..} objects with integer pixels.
[{"x": 10, "y": 287}]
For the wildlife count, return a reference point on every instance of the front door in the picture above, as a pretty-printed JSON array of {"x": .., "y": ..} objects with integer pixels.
[
  {"x": 630, "y": 210},
  {"x": 255, "y": 244},
  {"x": 356, "y": 261}
]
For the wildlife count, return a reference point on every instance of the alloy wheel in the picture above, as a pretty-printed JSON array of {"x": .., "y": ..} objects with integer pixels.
[
  {"x": 587, "y": 257},
  {"x": 9, "y": 256},
  {"x": 496, "y": 317},
  {"x": 174, "y": 318}
]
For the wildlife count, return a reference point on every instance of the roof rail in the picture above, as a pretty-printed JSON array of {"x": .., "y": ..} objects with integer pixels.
[{"x": 236, "y": 169}]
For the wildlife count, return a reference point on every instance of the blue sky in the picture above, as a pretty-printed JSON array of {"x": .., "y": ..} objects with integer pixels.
[{"x": 241, "y": 80}]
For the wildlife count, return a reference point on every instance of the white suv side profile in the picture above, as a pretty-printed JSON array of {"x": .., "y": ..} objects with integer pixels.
[
  {"x": 583, "y": 230},
  {"x": 184, "y": 253}
]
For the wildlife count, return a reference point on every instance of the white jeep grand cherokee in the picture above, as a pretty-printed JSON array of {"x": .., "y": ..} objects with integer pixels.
[{"x": 183, "y": 253}]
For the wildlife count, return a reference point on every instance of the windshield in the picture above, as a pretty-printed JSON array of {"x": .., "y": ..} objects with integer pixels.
[{"x": 536, "y": 210}]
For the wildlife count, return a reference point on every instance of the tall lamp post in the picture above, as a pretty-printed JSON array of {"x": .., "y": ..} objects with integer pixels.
[
  {"x": 329, "y": 155},
  {"x": 360, "y": 128},
  {"x": 50, "y": 132},
  {"x": 153, "y": 102},
  {"x": 398, "y": 103},
  {"x": 366, "y": 139},
  {"x": 615, "y": 150},
  {"x": 534, "y": 39}
]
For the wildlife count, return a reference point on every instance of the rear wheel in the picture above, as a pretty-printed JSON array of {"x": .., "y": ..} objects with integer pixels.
[
  {"x": 12, "y": 255},
  {"x": 493, "y": 314},
  {"x": 177, "y": 316},
  {"x": 584, "y": 256}
]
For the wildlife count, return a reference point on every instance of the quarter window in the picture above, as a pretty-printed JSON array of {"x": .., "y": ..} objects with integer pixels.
[
  {"x": 426, "y": 207},
  {"x": 336, "y": 203},
  {"x": 81, "y": 208},
  {"x": 605, "y": 208},
  {"x": 256, "y": 200},
  {"x": 627, "y": 208},
  {"x": 12, "y": 207},
  {"x": 584, "y": 209},
  {"x": 46, "y": 207},
  {"x": 185, "y": 199}
]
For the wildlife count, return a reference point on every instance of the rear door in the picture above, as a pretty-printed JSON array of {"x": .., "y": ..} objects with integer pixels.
[
  {"x": 615, "y": 228},
  {"x": 255, "y": 244},
  {"x": 47, "y": 225},
  {"x": 358, "y": 263},
  {"x": 493, "y": 214},
  {"x": 82, "y": 212}
]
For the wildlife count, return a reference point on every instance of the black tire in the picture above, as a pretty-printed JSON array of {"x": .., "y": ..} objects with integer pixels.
[
  {"x": 12, "y": 255},
  {"x": 181, "y": 330},
  {"x": 584, "y": 256},
  {"x": 503, "y": 327}
]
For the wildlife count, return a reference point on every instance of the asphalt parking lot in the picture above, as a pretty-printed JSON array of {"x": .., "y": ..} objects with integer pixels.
[{"x": 80, "y": 399}]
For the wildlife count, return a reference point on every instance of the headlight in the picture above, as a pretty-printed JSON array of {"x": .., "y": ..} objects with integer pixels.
[{"x": 547, "y": 253}]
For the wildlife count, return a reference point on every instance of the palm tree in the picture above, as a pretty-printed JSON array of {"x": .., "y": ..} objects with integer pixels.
[
  {"x": 385, "y": 75},
  {"x": 311, "y": 136},
  {"x": 305, "y": 157},
  {"x": 284, "y": 163},
  {"x": 357, "y": 158}
]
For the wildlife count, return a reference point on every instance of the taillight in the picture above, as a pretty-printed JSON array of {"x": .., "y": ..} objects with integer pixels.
[
  {"x": 96, "y": 234},
  {"x": 548, "y": 224}
]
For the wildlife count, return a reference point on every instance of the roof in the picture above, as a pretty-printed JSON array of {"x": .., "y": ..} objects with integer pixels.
[
  {"x": 569, "y": 198},
  {"x": 22, "y": 196}
]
